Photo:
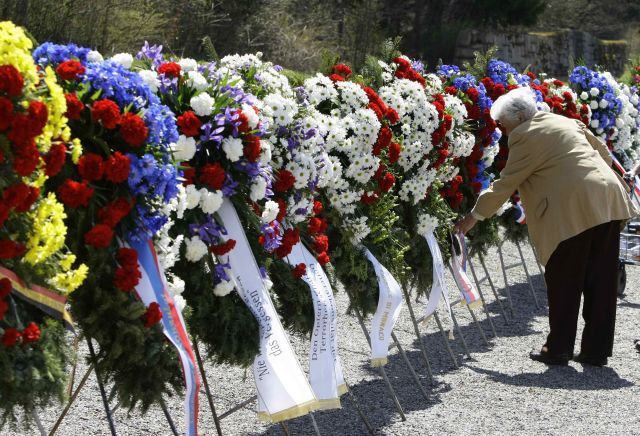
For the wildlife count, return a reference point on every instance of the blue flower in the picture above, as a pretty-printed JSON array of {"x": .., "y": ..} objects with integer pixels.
[
  {"x": 447, "y": 70},
  {"x": 49, "y": 53},
  {"x": 161, "y": 122}
]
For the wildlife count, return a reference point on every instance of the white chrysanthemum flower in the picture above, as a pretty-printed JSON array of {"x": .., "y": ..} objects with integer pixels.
[
  {"x": 210, "y": 201},
  {"x": 426, "y": 224},
  {"x": 184, "y": 149},
  {"x": 202, "y": 104},
  {"x": 265, "y": 151},
  {"x": 179, "y": 301},
  {"x": 232, "y": 148},
  {"x": 320, "y": 88},
  {"x": 176, "y": 286},
  {"x": 151, "y": 79},
  {"x": 187, "y": 64},
  {"x": 358, "y": 228},
  {"x": 124, "y": 59},
  {"x": 196, "y": 249},
  {"x": 270, "y": 212}
]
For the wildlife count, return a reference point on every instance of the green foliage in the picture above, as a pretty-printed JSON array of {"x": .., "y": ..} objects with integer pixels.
[
  {"x": 294, "y": 303},
  {"x": 513, "y": 231},
  {"x": 480, "y": 63},
  {"x": 32, "y": 376},
  {"x": 483, "y": 236},
  {"x": 295, "y": 78}
]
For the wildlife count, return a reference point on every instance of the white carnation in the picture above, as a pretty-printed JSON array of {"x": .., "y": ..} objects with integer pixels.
[
  {"x": 584, "y": 95},
  {"x": 594, "y": 92},
  {"x": 94, "y": 56},
  {"x": 202, "y": 104},
  {"x": 184, "y": 149},
  {"x": 192, "y": 196},
  {"x": 594, "y": 104},
  {"x": 595, "y": 123},
  {"x": 124, "y": 59},
  {"x": 232, "y": 148},
  {"x": 180, "y": 302},
  {"x": 197, "y": 81},
  {"x": 210, "y": 201},
  {"x": 151, "y": 79},
  {"x": 196, "y": 249},
  {"x": 188, "y": 64},
  {"x": 251, "y": 115},
  {"x": 223, "y": 288},
  {"x": 258, "y": 189},
  {"x": 270, "y": 212}
]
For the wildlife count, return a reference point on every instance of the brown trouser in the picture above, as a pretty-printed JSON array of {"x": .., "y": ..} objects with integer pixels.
[{"x": 586, "y": 264}]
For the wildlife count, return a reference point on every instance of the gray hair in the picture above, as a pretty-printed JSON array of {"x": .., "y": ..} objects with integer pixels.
[{"x": 516, "y": 106}]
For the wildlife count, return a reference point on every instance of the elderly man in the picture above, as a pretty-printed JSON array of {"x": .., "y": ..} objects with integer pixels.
[{"x": 575, "y": 205}]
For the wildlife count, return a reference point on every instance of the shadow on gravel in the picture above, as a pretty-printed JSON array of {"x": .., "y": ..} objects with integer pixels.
[{"x": 562, "y": 377}]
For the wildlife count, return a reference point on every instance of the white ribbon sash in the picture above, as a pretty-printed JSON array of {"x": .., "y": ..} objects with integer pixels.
[
  {"x": 387, "y": 313},
  {"x": 283, "y": 389},
  {"x": 459, "y": 268},
  {"x": 438, "y": 287},
  {"x": 325, "y": 371}
]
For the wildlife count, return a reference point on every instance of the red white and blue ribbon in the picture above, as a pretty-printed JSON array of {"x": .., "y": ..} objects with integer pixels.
[
  {"x": 459, "y": 267},
  {"x": 618, "y": 165},
  {"x": 153, "y": 288},
  {"x": 521, "y": 218}
]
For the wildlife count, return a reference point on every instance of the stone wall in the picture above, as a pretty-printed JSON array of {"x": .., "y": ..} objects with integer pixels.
[{"x": 552, "y": 52}]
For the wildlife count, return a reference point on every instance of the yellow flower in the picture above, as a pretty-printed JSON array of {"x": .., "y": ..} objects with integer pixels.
[
  {"x": 76, "y": 150},
  {"x": 67, "y": 282},
  {"x": 67, "y": 261},
  {"x": 15, "y": 49},
  {"x": 48, "y": 230},
  {"x": 56, "y": 107}
]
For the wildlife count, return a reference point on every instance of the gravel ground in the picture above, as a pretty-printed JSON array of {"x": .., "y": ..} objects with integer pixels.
[{"x": 498, "y": 391}]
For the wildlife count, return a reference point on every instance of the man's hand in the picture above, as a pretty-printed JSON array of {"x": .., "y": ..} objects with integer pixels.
[{"x": 466, "y": 224}]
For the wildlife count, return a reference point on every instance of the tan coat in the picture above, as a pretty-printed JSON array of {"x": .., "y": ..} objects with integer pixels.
[{"x": 564, "y": 176}]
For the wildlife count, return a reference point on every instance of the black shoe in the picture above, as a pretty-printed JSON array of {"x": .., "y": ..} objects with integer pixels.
[
  {"x": 550, "y": 359},
  {"x": 591, "y": 360}
]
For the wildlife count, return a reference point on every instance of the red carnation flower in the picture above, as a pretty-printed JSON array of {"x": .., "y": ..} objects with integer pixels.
[
  {"x": 54, "y": 160},
  {"x": 252, "y": 148},
  {"x": 10, "y": 249},
  {"x": 336, "y": 78},
  {"x": 316, "y": 225},
  {"x": 321, "y": 243},
  {"x": 387, "y": 182},
  {"x": 317, "y": 207},
  {"x": 31, "y": 333},
  {"x": 11, "y": 81},
  {"x": 70, "y": 70},
  {"x": 189, "y": 124},
  {"x": 106, "y": 112},
  {"x": 243, "y": 120},
  {"x": 5, "y": 287},
  {"x": 90, "y": 167},
  {"x": 224, "y": 248},
  {"x": 126, "y": 279},
  {"x": 557, "y": 82},
  {"x": 384, "y": 138},
  {"x": 21, "y": 130},
  {"x": 74, "y": 107},
  {"x": 342, "y": 70},
  {"x": 153, "y": 315},
  {"x": 323, "y": 258},
  {"x": 117, "y": 167},
  {"x": 28, "y": 201},
  {"x": 392, "y": 115},
  {"x": 37, "y": 116},
  {"x": 3, "y": 309},
  {"x": 369, "y": 199},
  {"x": 170, "y": 69},
  {"x": 290, "y": 238},
  {"x": 26, "y": 160},
  {"x": 75, "y": 194},
  {"x": 451, "y": 90},
  {"x": 299, "y": 271},
  {"x": 133, "y": 130},
  {"x": 99, "y": 236},
  {"x": 14, "y": 194},
  {"x": 115, "y": 211},
  {"x": 127, "y": 257},
  {"x": 282, "y": 209},
  {"x": 376, "y": 109},
  {"x": 189, "y": 173},
  {"x": 394, "y": 152},
  {"x": 284, "y": 181},
  {"x": 403, "y": 64},
  {"x": 6, "y": 113},
  {"x": 10, "y": 337},
  {"x": 212, "y": 175}
]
